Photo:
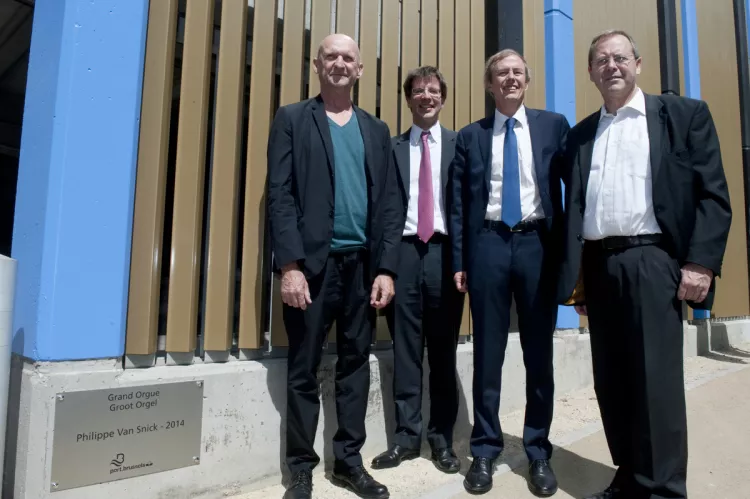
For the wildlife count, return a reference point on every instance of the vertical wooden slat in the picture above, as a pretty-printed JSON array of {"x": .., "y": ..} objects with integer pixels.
[
  {"x": 290, "y": 92},
  {"x": 446, "y": 42},
  {"x": 463, "y": 64},
  {"x": 320, "y": 27},
  {"x": 262, "y": 80},
  {"x": 222, "y": 237},
  {"x": 187, "y": 223},
  {"x": 368, "y": 46},
  {"x": 153, "y": 147},
  {"x": 346, "y": 17},
  {"x": 477, "y": 60},
  {"x": 389, "y": 83},
  {"x": 409, "y": 50},
  {"x": 428, "y": 56}
]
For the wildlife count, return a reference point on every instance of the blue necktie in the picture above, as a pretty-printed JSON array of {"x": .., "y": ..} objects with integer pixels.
[{"x": 511, "y": 207}]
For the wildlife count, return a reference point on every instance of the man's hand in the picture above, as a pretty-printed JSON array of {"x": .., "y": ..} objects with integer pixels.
[
  {"x": 460, "y": 279},
  {"x": 294, "y": 290},
  {"x": 582, "y": 310},
  {"x": 382, "y": 291},
  {"x": 695, "y": 283}
]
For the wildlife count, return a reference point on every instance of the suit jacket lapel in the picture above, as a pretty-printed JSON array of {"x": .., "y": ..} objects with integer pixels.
[
  {"x": 485, "y": 147},
  {"x": 588, "y": 135},
  {"x": 364, "y": 128},
  {"x": 403, "y": 159},
  {"x": 655, "y": 120},
  {"x": 447, "y": 151},
  {"x": 536, "y": 145},
  {"x": 321, "y": 121}
]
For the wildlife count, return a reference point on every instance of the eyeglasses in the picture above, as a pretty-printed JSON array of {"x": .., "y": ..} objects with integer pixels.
[
  {"x": 620, "y": 60},
  {"x": 419, "y": 92}
]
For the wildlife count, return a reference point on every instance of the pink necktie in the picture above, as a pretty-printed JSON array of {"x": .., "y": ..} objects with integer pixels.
[{"x": 426, "y": 206}]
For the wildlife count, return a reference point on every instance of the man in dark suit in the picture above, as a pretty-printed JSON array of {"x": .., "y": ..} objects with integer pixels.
[
  {"x": 647, "y": 220},
  {"x": 427, "y": 305},
  {"x": 505, "y": 210},
  {"x": 336, "y": 220}
]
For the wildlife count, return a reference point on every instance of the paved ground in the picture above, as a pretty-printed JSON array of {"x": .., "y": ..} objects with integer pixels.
[{"x": 718, "y": 411}]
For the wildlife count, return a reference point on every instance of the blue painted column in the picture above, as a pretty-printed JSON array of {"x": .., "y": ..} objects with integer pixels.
[
  {"x": 561, "y": 87},
  {"x": 692, "y": 74},
  {"x": 74, "y": 206}
]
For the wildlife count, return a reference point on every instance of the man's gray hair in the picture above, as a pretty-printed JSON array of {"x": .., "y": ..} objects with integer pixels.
[
  {"x": 490, "y": 65},
  {"x": 608, "y": 33}
]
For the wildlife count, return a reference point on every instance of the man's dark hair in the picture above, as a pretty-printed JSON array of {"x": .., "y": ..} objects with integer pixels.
[{"x": 425, "y": 72}]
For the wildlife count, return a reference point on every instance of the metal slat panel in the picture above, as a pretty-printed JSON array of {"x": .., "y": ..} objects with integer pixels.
[
  {"x": 533, "y": 51},
  {"x": 320, "y": 27},
  {"x": 292, "y": 59},
  {"x": 346, "y": 17},
  {"x": 368, "y": 42},
  {"x": 477, "y": 60},
  {"x": 153, "y": 148},
  {"x": 409, "y": 51},
  {"x": 463, "y": 65},
  {"x": 182, "y": 312},
  {"x": 446, "y": 42},
  {"x": 222, "y": 246},
  {"x": 389, "y": 83},
  {"x": 262, "y": 80},
  {"x": 428, "y": 56}
]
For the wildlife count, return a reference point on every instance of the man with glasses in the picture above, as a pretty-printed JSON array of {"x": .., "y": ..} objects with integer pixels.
[
  {"x": 506, "y": 209},
  {"x": 647, "y": 220},
  {"x": 426, "y": 307}
]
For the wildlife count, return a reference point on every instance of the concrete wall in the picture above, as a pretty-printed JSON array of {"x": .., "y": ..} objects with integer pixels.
[{"x": 243, "y": 430}]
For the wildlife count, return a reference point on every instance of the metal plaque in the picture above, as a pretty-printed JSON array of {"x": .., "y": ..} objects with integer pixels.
[{"x": 107, "y": 435}]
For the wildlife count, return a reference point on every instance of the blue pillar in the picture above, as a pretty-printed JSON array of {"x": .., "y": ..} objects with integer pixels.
[
  {"x": 692, "y": 74},
  {"x": 560, "y": 86},
  {"x": 74, "y": 206}
]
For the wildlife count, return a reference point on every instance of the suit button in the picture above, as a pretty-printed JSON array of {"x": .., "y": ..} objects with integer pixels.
[
  {"x": 658, "y": 209},
  {"x": 580, "y": 238},
  {"x": 330, "y": 213}
]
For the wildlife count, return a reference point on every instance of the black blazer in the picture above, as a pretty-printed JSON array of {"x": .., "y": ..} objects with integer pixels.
[
  {"x": 301, "y": 189},
  {"x": 472, "y": 167},
  {"x": 402, "y": 155},
  {"x": 690, "y": 195}
]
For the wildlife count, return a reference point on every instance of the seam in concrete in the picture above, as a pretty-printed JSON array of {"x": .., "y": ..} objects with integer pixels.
[{"x": 552, "y": 11}]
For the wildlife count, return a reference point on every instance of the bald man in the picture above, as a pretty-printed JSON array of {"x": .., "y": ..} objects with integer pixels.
[{"x": 336, "y": 218}]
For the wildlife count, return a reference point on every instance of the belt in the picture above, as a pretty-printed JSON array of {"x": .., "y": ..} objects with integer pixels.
[
  {"x": 624, "y": 242},
  {"x": 525, "y": 226},
  {"x": 436, "y": 238}
]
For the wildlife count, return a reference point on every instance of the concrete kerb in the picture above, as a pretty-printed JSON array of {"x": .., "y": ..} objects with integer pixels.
[{"x": 244, "y": 403}]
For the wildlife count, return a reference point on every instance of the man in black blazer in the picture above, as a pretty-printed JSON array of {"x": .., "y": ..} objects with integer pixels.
[
  {"x": 505, "y": 213},
  {"x": 336, "y": 219},
  {"x": 647, "y": 220},
  {"x": 427, "y": 306}
]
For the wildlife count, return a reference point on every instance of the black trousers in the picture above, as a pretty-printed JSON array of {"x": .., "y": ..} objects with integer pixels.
[
  {"x": 637, "y": 348},
  {"x": 428, "y": 307},
  {"x": 342, "y": 293},
  {"x": 508, "y": 265}
]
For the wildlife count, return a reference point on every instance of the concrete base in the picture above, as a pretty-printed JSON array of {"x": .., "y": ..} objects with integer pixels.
[{"x": 243, "y": 436}]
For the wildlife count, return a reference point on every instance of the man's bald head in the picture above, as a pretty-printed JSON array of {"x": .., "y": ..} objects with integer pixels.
[{"x": 338, "y": 63}]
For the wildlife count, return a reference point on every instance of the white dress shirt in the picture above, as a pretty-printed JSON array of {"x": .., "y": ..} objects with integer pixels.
[
  {"x": 531, "y": 202},
  {"x": 618, "y": 196},
  {"x": 415, "y": 158}
]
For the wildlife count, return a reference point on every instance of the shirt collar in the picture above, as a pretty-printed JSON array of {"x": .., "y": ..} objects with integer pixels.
[
  {"x": 416, "y": 134},
  {"x": 637, "y": 103},
  {"x": 520, "y": 117}
]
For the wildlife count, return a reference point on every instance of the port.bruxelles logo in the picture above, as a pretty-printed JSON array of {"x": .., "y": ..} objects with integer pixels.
[{"x": 118, "y": 462}]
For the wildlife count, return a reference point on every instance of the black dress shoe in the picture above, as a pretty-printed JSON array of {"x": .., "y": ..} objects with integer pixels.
[
  {"x": 393, "y": 457},
  {"x": 611, "y": 492},
  {"x": 359, "y": 481},
  {"x": 445, "y": 460},
  {"x": 479, "y": 478},
  {"x": 542, "y": 481},
  {"x": 301, "y": 486}
]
